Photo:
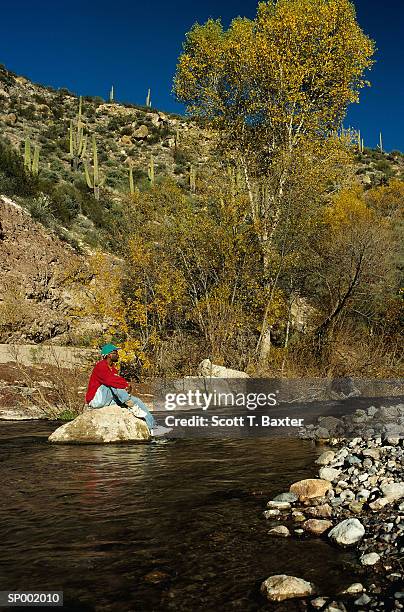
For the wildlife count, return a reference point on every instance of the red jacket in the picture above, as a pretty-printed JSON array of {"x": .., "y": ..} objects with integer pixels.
[{"x": 103, "y": 374}]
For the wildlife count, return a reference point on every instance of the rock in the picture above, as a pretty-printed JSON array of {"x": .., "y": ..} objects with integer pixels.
[
  {"x": 322, "y": 511},
  {"x": 10, "y": 119},
  {"x": 280, "y": 505},
  {"x": 316, "y": 526},
  {"x": 286, "y": 497},
  {"x": 141, "y": 133},
  {"x": 374, "y": 453},
  {"x": 281, "y": 587},
  {"x": 208, "y": 369},
  {"x": 298, "y": 517},
  {"x": 281, "y": 531},
  {"x": 343, "y": 388},
  {"x": 310, "y": 488},
  {"x": 319, "y": 602},
  {"x": 362, "y": 600},
  {"x": 370, "y": 558},
  {"x": 393, "y": 491},
  {"x": 104, "y": 425},
  {"x": 325, "y": 458},
  {"x": 271, "y": 513},
  {"x": 335, "y": 606},
  {"x": 332, "y": 424},
  {"x": 356, "y": 507},
  {"x": 126, "y": 140},
  {"x": 378, "y": 504},
  {"x": 348, "y": 532},
  {"x": 329, "y": 473},
  {"x": 353, "y": 589}
]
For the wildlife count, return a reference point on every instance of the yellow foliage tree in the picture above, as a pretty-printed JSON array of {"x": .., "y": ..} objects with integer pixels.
[{"x": 276, "y": 88}]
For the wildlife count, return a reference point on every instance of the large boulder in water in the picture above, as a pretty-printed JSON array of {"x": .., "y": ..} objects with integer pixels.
[{"x": 102, "y": 425}]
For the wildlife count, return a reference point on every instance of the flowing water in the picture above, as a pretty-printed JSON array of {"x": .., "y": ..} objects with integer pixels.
[{"x": 173, "y": 525}]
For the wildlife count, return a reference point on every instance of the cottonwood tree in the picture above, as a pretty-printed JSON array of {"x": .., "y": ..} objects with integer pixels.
[{"x": 270, "y": 85}]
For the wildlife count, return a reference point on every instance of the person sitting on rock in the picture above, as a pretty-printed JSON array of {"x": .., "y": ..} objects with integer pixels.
[{"x": 106, "y": 387}]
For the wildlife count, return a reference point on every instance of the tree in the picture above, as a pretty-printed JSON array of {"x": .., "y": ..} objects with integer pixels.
[{"x": 270, "y": 86}]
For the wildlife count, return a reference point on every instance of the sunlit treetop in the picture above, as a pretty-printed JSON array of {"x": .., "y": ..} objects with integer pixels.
[{"x": 291, "y": 71}]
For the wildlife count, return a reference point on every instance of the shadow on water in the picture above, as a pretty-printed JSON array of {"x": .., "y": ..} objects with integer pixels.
[{"x": 170, "y": 526}]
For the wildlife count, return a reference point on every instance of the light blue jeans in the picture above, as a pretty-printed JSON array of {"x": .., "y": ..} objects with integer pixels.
[{"x": 104, "y": 397}]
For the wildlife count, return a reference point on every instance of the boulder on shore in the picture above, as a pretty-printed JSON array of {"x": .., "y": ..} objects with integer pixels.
[
  {"x": 208, "y": 369},
  {"x": 281, "y": 587},
  {"x": 100, "y": 426},
  {"x": 310, "y": 488},
  {"x": 347, "y": 532}
]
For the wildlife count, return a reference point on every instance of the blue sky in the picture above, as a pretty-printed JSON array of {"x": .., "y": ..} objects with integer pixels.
[{"x": 89, "y": 45}]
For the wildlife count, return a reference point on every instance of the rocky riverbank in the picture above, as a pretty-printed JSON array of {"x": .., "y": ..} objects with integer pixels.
[{"x": 357, "y": 500}]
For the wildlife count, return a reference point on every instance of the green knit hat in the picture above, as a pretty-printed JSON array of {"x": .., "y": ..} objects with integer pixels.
[{"x": 108, "y": 348}]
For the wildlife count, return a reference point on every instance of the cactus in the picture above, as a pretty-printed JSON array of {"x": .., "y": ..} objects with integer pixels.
[
  {"x": 192, "y": 179},
  {"x": 111, "y": 94},
  {"x": 362, "y": 146},
  {"x": 131, "y": 183},
  {"x": 359, "y": 142},
  {"x": 93, "y": 182},
  {"x": 77, "y": 140},
  {"x": 380, "y": 143},
  {"x": 150, "y": 171},
  {"x": 33, "y": 166},
  {"x": 148, "y": 99}
]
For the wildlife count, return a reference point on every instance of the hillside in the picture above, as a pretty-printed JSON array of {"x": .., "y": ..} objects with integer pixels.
[{"x": 72, "y": 271}]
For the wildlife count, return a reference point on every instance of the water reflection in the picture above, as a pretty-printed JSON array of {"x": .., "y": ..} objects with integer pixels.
[{"x": 174, "y": 526}]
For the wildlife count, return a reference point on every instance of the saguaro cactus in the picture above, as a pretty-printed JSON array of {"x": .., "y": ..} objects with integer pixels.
[
  {"x": 131, "y": 181},
  {"x": 31, "y": 166},
  {"x": 192, "y": 179},
  {"x": 380, "y": 143},
  {"x": 77, "y": 139},
  {"x": 150, "y": 171},
  {"x": 94, "y": 182},
  {"x": 111, "y": 94},
  {"x": 148, "y": 99}
]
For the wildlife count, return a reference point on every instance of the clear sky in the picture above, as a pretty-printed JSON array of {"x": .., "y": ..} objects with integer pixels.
[{"x": 89, "y": 45}]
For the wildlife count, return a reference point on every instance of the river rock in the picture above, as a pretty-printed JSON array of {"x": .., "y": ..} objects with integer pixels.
[
  {"x": 325, "y": 458},
  {"x": 322, "y": 511},
  {"x": 281, "y": 587},
  {"x": 393, "y": 491},
  {"x": 281, "y": 531},
  {"x": 378, "y": 504},
  {"x": 370, "y": 558},
  {"x": 286, "y": 497},
  {"x": 103, "y": 425},
  {"x": 279, "y": 505},
  {"x": 208, "y": 369},
  {"x": 310, "y": 488},
  {"x": 329, "y": 473},
  {"x": 316, "y": 526},
  {"x": 353, "y": 589},
  {"x": 347, "y": 532}
]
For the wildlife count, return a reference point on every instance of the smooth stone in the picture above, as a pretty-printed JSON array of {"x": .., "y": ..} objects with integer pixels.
[
  {"x": 378, "y": 504},
  {"x": 279, "y": 505},
  {"x": 348, "y": 532},
  {"x": 353, "y": 589},
  {"x": 271, "y": 513},
  {"x": 281, "y": 531},
  {"x": 323, "y": 511},
  {"x": 325, "y": 458},
  {"x": 310, "y": 488},
  {"x": 281, "y": 587},
  {"x": 329, "y": 473},
  {"x": 286, "y": 497},
  {"x": 316, "y": 526},
  {"x": 362, "y": 600},
  {"x": 104, "y": 425},
  {"x": 370, "y": 558},
  {"x": 393, "y": 491}
]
